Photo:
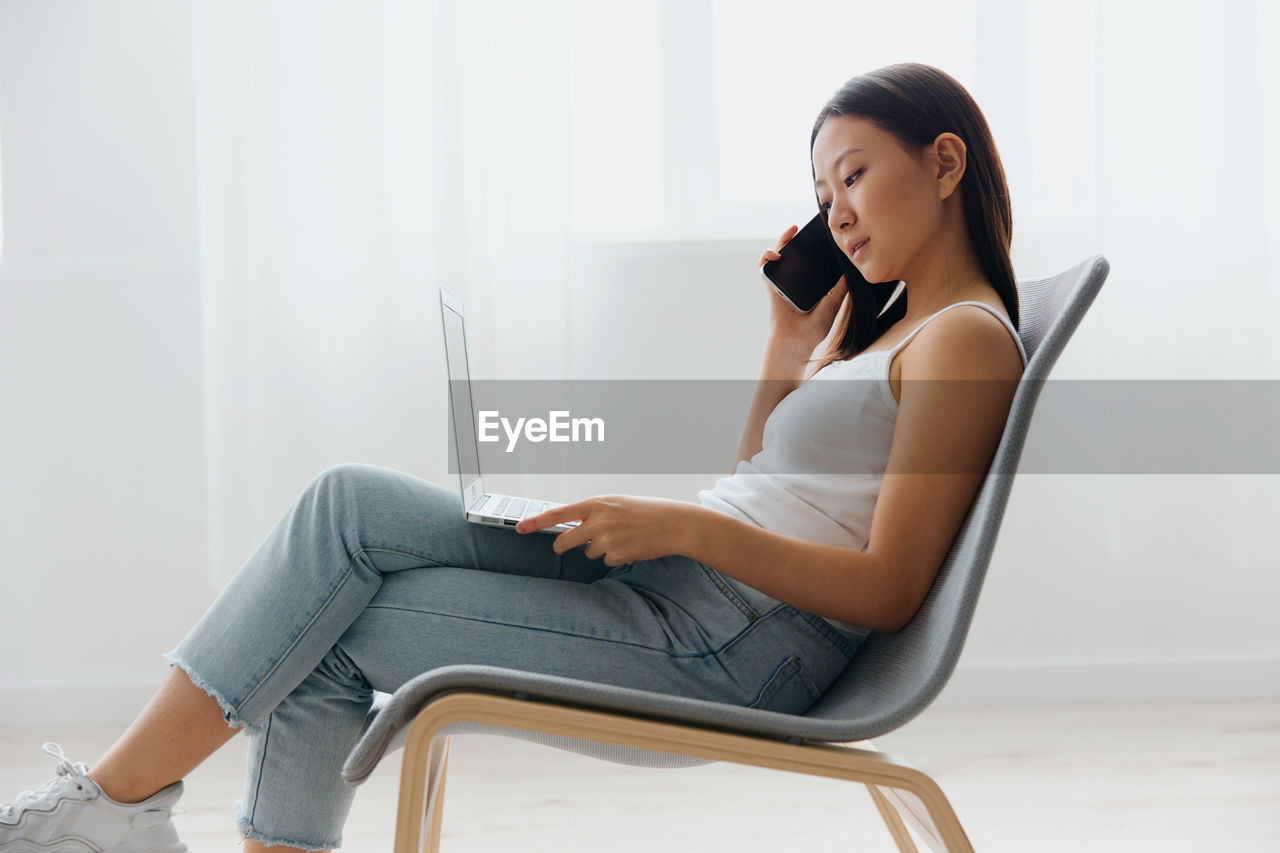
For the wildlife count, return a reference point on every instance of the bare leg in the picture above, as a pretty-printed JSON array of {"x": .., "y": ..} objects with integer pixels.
[{"x": 180, "y": 727}]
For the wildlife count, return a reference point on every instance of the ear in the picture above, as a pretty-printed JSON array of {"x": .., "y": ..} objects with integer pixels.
[{"x": 948, "y": 159}]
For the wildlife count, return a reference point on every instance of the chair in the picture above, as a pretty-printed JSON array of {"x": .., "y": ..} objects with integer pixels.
[{"x": 891, "y": 679}]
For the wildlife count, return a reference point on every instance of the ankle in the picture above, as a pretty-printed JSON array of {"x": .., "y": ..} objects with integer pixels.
[{"x": 117, "y": 790}]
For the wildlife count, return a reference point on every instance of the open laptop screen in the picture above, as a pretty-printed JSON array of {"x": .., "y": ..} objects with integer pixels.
[{"x": 462, "y": 416}]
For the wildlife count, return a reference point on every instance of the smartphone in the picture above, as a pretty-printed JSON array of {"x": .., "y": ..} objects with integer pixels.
[{"x": 809, "y": 267}]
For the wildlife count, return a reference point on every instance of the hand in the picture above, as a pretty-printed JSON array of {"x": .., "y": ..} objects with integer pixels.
[
  {"x": 620, "y": 529},
  {"x": 789, "y": 326}
]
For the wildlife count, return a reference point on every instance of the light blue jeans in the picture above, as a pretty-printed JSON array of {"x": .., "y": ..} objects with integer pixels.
[{"x": 373, "y": 577}]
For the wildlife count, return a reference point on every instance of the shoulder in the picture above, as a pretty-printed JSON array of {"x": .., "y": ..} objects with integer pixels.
[{"x": 963, "y": 342}]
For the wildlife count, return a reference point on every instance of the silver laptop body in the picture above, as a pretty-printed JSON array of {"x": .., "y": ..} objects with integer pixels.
[{"x": 478, "y": 506}]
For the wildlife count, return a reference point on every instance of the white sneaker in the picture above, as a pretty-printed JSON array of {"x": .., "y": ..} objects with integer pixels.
[{"x": 71, "y": 814}]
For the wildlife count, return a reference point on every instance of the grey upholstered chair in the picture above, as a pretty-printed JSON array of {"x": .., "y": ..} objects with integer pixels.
[{"x": 891, "y": 679}]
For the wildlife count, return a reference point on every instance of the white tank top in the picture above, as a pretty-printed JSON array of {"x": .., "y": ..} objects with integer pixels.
[{"x": 821, "y": 427}]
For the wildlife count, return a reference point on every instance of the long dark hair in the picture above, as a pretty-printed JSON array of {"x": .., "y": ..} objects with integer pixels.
[{"x": 916, "y": 103}]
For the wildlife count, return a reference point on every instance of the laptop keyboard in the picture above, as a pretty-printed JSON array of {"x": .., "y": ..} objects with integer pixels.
[
  {"x": 518, "y": 508},
  {"x": 511, "y": 510}
]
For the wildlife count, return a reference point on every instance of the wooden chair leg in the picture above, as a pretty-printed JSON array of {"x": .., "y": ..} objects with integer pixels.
[
  {"x": 894, "y": 804},
  {"x": 437, "y": 767},
  {"x": 893, "y": 820},
  {"x": 422, "y": 778},
  {"x": 911, "y": 807}
]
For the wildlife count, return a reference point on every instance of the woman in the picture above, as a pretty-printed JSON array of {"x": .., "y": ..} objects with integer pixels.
[{"x": 757, "y": 595}]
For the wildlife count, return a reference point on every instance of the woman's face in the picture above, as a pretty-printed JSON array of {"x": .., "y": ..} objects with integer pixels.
[{"x": 873, "y": 190}]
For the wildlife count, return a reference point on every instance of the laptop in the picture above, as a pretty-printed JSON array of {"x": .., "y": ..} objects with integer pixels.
[{"x": 478, "y": 506}]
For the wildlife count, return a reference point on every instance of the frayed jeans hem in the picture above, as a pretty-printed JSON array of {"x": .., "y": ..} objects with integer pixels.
[
  {"x": 228, "y": 712},
  {"x": 248, "y": 832}
]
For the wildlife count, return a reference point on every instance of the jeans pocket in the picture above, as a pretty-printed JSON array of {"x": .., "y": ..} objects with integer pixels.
[
  {"x": 730, "y": 593},
  {"x": 788, "y": 689}
]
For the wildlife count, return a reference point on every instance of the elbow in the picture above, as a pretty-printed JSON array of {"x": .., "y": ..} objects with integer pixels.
[
  {"x": 891, "y": 623},
  {"x": 873, "y": 592},
  {"x": 907, "y": 604},
  {"x": 899, "y": 601},
  {"x": 886, "y": 619},
  {"x": 899, "y": 623}
]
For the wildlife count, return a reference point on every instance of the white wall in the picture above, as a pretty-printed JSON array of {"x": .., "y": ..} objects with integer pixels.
[
  {"x": 101, "y": 460},
  {"x": 102, "y": 451}
]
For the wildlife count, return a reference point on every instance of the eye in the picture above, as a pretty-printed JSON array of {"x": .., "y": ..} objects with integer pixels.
[{"x": 826, "y": 205}]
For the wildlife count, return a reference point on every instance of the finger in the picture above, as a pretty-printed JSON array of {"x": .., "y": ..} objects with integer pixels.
[
  {"x": 787, "y": 235},
  {"x": 569, "y": 540},
  {"x": 568, "y": 512}
]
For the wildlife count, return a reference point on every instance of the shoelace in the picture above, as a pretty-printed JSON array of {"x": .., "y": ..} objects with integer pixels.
[{"x": 69, "y": 773}]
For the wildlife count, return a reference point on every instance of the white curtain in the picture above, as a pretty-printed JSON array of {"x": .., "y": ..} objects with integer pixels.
[{"x": 352, "y": 157}]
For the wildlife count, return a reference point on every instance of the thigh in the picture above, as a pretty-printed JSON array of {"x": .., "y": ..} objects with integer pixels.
[
  {"x": 670, "y": 626},
  {"x": 404, "y": 522}
]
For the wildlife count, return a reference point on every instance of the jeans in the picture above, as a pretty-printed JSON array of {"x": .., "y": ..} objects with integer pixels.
[{"x": 373, "y": 577}]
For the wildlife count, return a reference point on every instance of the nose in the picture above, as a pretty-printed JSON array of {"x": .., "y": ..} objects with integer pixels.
[{"x": 840, "y": 215}]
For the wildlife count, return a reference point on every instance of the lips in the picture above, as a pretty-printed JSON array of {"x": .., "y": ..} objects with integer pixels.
[{"x": 857, "y": 245}]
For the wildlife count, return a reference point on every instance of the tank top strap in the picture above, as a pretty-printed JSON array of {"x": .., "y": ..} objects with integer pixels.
[{"x": 1016, "y": 337}]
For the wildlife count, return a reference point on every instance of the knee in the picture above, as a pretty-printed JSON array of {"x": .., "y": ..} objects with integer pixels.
[
  {"x": 360, "y": 493},
  {"x": 347, "y": 478},
  {"x": 337, "y": 494}
]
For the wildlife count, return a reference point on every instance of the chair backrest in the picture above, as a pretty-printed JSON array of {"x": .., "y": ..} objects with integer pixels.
[{"x": 893, "y": 677}]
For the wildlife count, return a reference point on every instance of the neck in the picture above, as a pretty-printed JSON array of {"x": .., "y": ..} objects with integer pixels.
[{"x": 949, "y": 272}]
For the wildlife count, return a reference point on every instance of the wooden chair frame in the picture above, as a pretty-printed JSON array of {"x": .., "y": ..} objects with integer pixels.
[{"x": 898, "y": 788}]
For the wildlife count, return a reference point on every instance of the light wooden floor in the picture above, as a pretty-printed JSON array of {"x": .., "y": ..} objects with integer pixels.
[{"x": 1170, "y": 778}]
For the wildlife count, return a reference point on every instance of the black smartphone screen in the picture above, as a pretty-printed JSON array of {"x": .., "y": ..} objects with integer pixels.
[{"x": 809, "y": 266}]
